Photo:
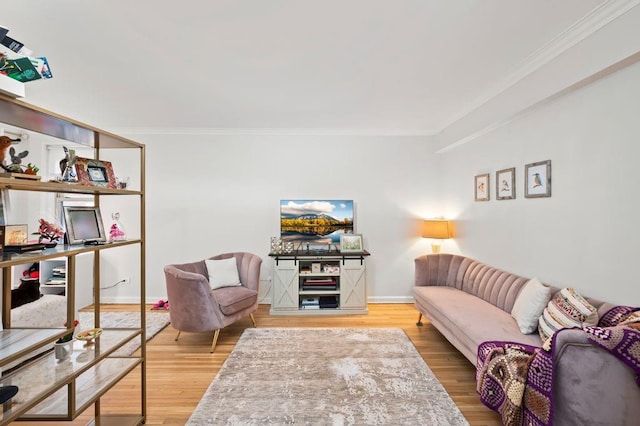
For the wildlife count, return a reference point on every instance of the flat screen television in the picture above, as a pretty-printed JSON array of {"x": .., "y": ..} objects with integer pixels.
[
  {"x": 315, "y": 221},
  {"x": 84, "y": 225}
]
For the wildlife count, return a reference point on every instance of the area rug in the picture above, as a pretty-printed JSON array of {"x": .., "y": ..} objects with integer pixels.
[
  {"x": 325, "y": 376},
  {"x": 156, "y": 321}
]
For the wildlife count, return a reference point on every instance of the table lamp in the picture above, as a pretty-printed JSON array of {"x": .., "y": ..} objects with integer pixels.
[{"x": 436, "y": 229}]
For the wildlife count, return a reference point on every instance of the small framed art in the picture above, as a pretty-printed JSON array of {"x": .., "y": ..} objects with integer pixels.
[
  {"x": 15, "y": 235},
  {"x": 95, "y": 173},
  {"x": 351, "y": 243},
  {"x": 482, "y": 187},
  {"x": 506, "y": 184},
  {"x": 537, "y": 179}
]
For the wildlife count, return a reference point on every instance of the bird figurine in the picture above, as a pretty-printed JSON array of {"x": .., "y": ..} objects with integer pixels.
[
  {"x": 536, "y": 180},
  {"x": 5, "y": 142}
]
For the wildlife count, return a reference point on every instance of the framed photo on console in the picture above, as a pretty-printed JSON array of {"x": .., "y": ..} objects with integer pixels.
[
  {"x": 351, "y": 243},
  {"x": 95, "y": 173}
]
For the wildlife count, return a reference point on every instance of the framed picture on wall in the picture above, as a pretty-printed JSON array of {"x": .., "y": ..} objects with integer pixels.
[
  {"x": 537, "y": 179},
  {"x": 482, "y": 187},
  {"x": 506, "y": 184}
]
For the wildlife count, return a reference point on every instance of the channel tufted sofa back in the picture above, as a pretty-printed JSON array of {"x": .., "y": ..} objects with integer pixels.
[{"x": 492, "y": 285}]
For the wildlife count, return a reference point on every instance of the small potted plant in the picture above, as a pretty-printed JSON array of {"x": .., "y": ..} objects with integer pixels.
[
  {"x": 49, "y": 233},
  {"x": 64, "y": 345}
]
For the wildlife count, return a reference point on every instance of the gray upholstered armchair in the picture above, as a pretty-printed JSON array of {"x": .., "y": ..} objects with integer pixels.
[{"x": 195, "y": 307}]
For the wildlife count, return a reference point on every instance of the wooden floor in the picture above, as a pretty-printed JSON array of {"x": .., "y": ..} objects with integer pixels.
[{"x": 178, "y": 373}]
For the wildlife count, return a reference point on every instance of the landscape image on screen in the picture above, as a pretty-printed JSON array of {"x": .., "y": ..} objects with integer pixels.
[{"x": 315, "y": 221}]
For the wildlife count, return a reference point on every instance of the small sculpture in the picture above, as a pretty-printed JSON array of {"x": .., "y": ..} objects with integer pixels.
[
  {"x": 66, "y": 165},
  {"x": 5, "y": 142}
]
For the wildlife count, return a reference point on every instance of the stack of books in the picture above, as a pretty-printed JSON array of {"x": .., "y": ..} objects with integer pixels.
[
  {"x": 328, "y": 283},
  {"x": 58, "y": 276},
  {"x": 18, "y": 62},
  {"x": 310, "y": 303}
]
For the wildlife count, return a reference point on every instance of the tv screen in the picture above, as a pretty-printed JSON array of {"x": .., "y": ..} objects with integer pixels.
[
  {"x": 315, "y": 221},
  {"x": 84, "y": 224}
]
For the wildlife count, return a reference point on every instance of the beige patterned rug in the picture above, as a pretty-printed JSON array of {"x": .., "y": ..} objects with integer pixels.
[{"x": 325, "y": 376}]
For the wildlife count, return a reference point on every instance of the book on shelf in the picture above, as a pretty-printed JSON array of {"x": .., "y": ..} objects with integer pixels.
[
  {"x": 21, "y": 69},
  {"x": 310, "y": 307},
  {"x": 54, "y": 281},
  {"x": 320, "y": 288},
  {"x": 310, "y": 301},
  {"x": 320, "y": 281},
  {"x": 328, "y": 302}
]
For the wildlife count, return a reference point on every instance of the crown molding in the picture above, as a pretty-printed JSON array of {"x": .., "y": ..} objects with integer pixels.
[
  {"x": 611, "y": 69},
  {"x": 605, "y": 13},
  {"x": 199, "y": 131}
]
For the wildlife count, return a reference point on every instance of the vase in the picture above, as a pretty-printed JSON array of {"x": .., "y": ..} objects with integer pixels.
[
  {"x": 50, "y": 244},
  {"x": 62, "y": 351}
]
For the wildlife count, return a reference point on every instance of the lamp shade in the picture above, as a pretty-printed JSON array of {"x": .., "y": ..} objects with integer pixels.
[{"x": 438, "y": 229}]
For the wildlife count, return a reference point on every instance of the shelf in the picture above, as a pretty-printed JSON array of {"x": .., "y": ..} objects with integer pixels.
[
  {"x": 43, "y": 377},
  {"x": 89, "y": 386},
  {"x": 60, "y": 187},
  {"x": 51, "y": 390},
  {"x": 11, "y": 259},
  {"x": 18, "y": 342},
  {"x": 317, "y": 292}
]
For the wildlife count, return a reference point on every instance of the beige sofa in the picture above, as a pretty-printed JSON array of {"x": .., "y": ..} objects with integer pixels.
[{"x": 470, "y": 303}]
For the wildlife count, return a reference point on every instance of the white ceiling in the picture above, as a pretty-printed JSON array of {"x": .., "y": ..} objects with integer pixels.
[{"x": 380, "y": 66}]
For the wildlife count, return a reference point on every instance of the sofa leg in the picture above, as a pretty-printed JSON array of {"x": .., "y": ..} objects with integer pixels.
[
  {"x": 419, "y": 323},
  {"x": 253, "y": 320},
  {"x": 215, "y": 339},
  {"x": 178, "y": 336}
]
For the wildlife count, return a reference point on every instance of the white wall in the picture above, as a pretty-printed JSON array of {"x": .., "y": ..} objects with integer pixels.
[
  {"x": 212, "y": 194},
  {"x": 586, "y": 234}
]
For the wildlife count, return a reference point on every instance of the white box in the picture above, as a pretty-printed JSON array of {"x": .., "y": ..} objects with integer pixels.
[{"x": 11, "y": 87}]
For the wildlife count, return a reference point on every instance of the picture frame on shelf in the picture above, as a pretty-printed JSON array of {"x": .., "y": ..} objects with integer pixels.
[
  {"x": 537, "y": 179},
  {"x": 84, "y": 225},
  {"x": 351, "y": 243},
  {"x": 506, "y": 184},
  {"x": 97, "y": 173},
  {"x": 481, "y": 192},
  {"x": 15, "y": 235}
]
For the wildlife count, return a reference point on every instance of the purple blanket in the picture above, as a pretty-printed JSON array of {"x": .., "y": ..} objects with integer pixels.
[{"x": 516, "y": 380}]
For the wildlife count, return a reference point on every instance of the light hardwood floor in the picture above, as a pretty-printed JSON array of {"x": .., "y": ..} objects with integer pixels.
[{"x": 179, "y": 373}]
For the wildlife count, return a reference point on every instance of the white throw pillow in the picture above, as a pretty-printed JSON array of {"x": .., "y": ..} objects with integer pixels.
[
  {"x": 222, "y": 272},
  {"x": 528, "y": 307}
]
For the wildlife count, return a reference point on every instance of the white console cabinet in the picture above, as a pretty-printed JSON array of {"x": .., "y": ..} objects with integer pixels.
[{"x": 318, "y": 284}]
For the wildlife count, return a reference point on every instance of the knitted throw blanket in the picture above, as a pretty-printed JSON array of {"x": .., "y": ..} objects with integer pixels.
[{"x": 516, "y": 380}]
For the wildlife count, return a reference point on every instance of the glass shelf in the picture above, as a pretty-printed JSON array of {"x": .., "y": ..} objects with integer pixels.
[
  {"x": 46, "y": 375},
  {"x": 17, "y": 342}
]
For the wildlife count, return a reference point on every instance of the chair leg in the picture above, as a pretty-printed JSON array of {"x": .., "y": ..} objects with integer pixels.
[
  {"x": 253, "y": 320},
  {"x": 215, "y": 339},
  {"x": 178, "y": 336},
  {"x": 419, "y": 323}
]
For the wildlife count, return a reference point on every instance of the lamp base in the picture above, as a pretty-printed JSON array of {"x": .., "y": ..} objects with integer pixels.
[{"x": 435, "y": 247}]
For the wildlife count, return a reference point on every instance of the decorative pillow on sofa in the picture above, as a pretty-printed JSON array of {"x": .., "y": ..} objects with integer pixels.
[
  {"x": 568, "y": 309},
  {"x": 528, "y": 307},
  {"x": 222, "y": 272}
]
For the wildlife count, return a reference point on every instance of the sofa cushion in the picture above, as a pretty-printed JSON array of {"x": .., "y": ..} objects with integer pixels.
[
  {"x": 530, "y": 303},
  {"x": 467, "y": 320},
  {"x": 222, "y": 272},
  {"x": 567, "y": 309},
  {"x": 235, "y": 299}
]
